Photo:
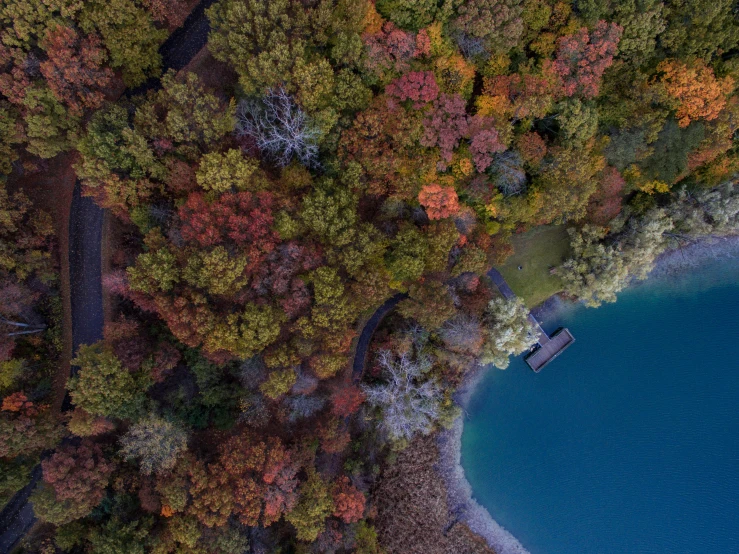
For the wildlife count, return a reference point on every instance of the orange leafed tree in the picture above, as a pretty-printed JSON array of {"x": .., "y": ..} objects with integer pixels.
[
  {"x": 439, "y": 202},
  {"x": 349, "y": 502},
  {"x": 346, "y": 400},
  {"x": 699, "y": 94},
  {"x": 74, "y": 68},
  {"x": 79, "y": 474}
]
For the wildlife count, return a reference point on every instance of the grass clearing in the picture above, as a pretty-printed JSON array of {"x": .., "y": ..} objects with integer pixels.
[{"x": 536, "y": 252}]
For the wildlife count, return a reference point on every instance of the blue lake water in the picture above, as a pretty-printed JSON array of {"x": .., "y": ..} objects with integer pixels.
[{"x": 629, "y": 442}]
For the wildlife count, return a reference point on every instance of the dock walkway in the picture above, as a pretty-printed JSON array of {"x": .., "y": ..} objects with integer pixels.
[{"x": 549, "y": 347}]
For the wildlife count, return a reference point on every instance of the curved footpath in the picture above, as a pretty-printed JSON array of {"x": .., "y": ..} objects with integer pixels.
[
  {"x": 85, "y": 263},
  {"x": 360, "y": 355}
]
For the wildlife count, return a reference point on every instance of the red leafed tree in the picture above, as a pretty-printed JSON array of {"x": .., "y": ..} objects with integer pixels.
[
  {"x": 383, "y": 141},
  {"x": 17, "y": 302},
  {"x": 243, "y": 218},
  {"x": 166, "y": 359},
  {"x": 391, "y": 49},
  {"x": 277, "y": 276},
  {"x": 483, "y": 145},
  {"x": 212, "y": 494},
  {"x": 128, "y": 342},
  {"x": 18, "y": 402},
  {"x": 7, "y": 346},
  {"x": 263, "y": 477},
  {"x": 346, "y": 400},
  {"x": 532, "y": 148},
  {"x": 582, "y": 58},
  {"x": 17, "y": 298},
  {"x": 148, "y": 498},
  {"x": 14, "y": 81},
  {"x": 27, "y": 431},
  {"x": 83, "y": 424},
  {"x": 116, "y": 282},
  {"x": 524, "y": 95},
  {"x": 334, "y": 436},
  {"x": 181, "y": 178},
  {"x": 280, "y": 481},
  {"x": 439, "y": 202},
  {"x": 78, "y": 473},
  {"x": 349, "y": 502},
  {"x": 445, "y": 125},
  {"x": 699, "y": 94},
  {"x": 605, "y": 204},
  {"x": 186, "y": 316},
  {"x": 171, "y": 12},
  {"x": 419, "y": 86},
  {"x": 74, "y": 68}
]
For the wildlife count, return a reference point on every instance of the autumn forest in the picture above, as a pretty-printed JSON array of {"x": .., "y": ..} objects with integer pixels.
[{"x": 316, "y": 160}]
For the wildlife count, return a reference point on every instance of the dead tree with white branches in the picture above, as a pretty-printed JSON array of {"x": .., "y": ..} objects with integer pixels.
[
  {"x": 408, "y": 400},
  {"x": 280, "y": 128}
]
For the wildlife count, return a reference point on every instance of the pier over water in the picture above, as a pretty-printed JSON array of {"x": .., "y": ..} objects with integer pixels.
[{"x": 548, "y": 347}]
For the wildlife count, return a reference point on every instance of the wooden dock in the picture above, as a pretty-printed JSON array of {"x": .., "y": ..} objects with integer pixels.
[{"x": 549, "y": 347}]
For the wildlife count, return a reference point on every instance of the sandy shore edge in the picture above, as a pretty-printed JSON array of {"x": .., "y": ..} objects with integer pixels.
[
  {"x": 693, "y": 254},
  {"x": 461, "y": 502}
]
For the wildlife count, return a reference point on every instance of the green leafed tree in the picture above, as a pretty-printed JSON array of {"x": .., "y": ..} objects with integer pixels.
[
  {"x": 507, "y": 331},
  {"x": 50, "y": 128},
  {"x": 119, "y": 537},
  {"x": 129, "y": 34},
  {"x": 230, "y": 170},
  {"x": 103, "y": 386},
  {"x": 596, "y": 271},
  {"x": 695, "y": 28},
  {"x": 185, "y": 113},
  {"x": 407, "y": 255},
  {"x": 314, "y": 506},
  {"x": 9, "y": 137}
]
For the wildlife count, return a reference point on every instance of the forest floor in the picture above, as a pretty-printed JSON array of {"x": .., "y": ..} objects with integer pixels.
[
  {"x": 50, "y": 188},
  {"x": 536, "y": 252},
  {"x": 215, "y": 75}
]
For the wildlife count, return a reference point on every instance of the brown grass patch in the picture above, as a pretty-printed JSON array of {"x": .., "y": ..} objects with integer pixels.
[
  {"x": 217, "y": 76},
  {"x": 412, "y": 511}
]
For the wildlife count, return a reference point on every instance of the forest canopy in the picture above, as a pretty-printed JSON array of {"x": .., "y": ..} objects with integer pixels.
[{"x": 317, "y": 160}]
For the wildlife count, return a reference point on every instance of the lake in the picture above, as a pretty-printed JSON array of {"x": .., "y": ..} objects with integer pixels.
[{"x": 629, "y": 442}]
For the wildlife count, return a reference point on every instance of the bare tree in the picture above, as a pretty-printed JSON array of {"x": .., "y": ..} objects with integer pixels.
[
  {"x": 507, "y": 170},
  {"x": 15, "y": 328},
  {"x": 155, "y": 442},
  {"x": 281, "y": 129},
  {"x": 252, "y": 373},
  {"x": 471, "y": 46},
  {"x": 303, "y": 406},
  {"x": 409, "y": 403},
  {"x": 462, "y": 334}
]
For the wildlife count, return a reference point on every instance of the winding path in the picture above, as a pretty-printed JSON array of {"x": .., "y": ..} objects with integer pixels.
[
  {"x": 360, "y": 355},
  {"x": 85, "y": 263}
]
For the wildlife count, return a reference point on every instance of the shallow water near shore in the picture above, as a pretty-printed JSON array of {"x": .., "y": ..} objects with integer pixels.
[{"x": 629, "y": 442}]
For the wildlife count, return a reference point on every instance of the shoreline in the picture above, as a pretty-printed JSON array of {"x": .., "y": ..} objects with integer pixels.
[
  {"x": 460, "y": 497},
  {"x": 461, "y": 502}
]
